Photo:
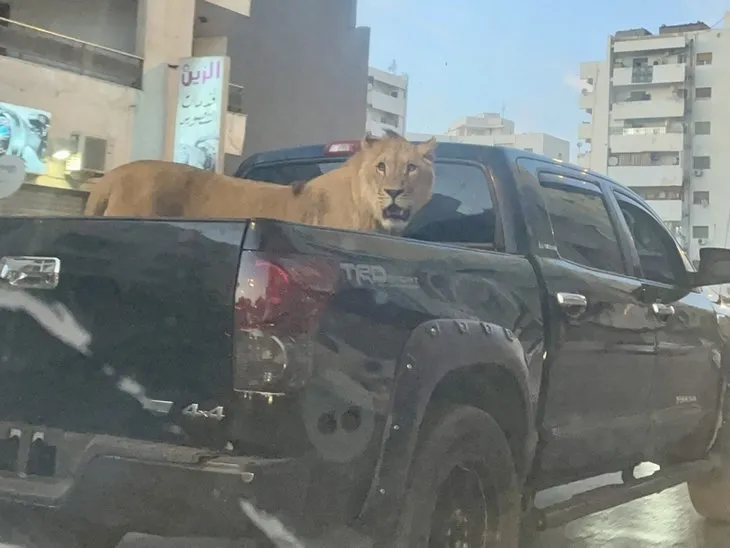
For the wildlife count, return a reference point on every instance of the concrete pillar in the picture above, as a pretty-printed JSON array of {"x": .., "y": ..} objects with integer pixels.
[{"x": 165, "y": 35}]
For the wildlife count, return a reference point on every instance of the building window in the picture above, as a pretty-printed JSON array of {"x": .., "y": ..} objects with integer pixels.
[
  {"x": 528, "y": 149},
  {"x": 700, "y": 232},
  {"x": 681, "y": 58},
  {"x": 658, "y": 193},
  {"x": 639, "y": 96},
  {"x": 701, "y": 197},
  {"x": 701, "y": 162},
  {"x": 702, "y": 128},
  {"x": 394, "y": 94},
  {"x": 704, "y": 58},
  {"x": 703, "y": 93}
]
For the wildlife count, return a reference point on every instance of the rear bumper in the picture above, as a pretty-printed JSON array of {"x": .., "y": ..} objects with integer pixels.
[{"x": 161, "y": 488}]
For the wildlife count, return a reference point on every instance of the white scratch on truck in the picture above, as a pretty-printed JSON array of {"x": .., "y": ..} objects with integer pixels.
[{"x": 54, "y": 318}]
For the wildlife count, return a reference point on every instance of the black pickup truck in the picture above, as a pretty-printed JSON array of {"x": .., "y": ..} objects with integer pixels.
[{"x": 191, "y": 377}]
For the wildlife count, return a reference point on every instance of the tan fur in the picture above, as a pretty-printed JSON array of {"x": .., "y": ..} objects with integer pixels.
[{"x": 351, "y": 197}]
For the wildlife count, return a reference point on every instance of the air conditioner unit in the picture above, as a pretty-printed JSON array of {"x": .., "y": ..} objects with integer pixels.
[
  {"x": 705, "y": 203},
  {"x": 88, "y": 154},
  {"x": 701, "y": 241},
  {"x": 698, "y": 172}
]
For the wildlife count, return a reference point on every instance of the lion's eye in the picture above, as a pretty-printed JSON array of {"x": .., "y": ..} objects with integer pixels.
[
  {"x": 411, "y": 168},
  {"x": 380, "y": 167}
]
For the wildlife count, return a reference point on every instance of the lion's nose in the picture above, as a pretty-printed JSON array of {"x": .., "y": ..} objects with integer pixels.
[{"x": 393, "y": 192}]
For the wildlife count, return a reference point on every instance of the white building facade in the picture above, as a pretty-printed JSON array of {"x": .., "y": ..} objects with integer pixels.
[
  {"x": 656, "y": 122},
  {"x": 491, "y": 129},
  {"x": 387, "y": 101}
]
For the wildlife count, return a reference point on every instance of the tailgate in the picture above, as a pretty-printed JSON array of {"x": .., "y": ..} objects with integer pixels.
[{"x": 137, "y": 328}]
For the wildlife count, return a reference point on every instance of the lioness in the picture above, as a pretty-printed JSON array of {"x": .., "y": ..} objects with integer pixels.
[{"x": 378, "y": 188}]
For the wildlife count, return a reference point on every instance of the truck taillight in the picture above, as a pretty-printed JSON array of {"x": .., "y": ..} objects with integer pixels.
[
  {"x": 342, "y": 148},
  {"x": 278, "y": 303}
]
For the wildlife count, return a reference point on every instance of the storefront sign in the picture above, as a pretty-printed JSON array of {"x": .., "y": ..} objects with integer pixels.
[{"x": 201, "y": 108}]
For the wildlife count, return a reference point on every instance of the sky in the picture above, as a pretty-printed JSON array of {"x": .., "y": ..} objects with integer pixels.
[{"x": 465, "y": 57}]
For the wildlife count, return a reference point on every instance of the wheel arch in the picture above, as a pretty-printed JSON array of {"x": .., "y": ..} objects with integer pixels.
[{"x": 448, "y": 362}]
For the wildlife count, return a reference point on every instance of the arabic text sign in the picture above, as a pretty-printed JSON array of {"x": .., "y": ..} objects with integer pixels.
[{"x": 201, "y": 106}]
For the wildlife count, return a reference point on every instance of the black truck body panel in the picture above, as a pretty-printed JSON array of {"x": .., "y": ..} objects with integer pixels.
[
  {"x": 155, "y": 298},
  {"x": 409, "y": 325}
]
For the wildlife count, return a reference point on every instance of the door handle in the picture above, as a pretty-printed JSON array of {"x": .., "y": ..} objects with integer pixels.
[
  {"x": 662, "y": 310},
  {"x": 572, "y": 303}
]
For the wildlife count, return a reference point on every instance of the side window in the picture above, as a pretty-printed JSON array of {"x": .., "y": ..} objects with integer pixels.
[
  {"x": 582, "y": 227},
  {"x": 658, "y": 254},
  {"x": 461, "y": 209},
  {"x": 286, "y": 173}
]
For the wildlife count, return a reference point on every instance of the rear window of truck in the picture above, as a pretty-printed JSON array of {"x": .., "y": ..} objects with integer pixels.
[{"x": 461, "y": 210}]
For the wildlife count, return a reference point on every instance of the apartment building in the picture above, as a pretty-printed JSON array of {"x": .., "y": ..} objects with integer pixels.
[
  {"x": 492, "y": 129},
  {"x": 387, "y": 98},
  {"x": 100, "y": 77},
  {"x": 656, "y": 121}
]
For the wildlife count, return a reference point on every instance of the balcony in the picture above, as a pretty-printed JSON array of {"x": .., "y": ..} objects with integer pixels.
[
  {"x": 654, "y": 108},
  {"x": 584, "y": 159},
  {"x": 386, "y": 103},
  {"x": 650, "y": 43},
  {"x": 587, "y": 100},
  {"x": 645, "y": 176},
  {"x": 242, "y": 7},
  {"x": 645, "y": 139},
  {"x": 585, "y": 131},
  {"x": 652, "y": 74},
  {"x": 589, "y": 71},
  {"x": 668, "y": 210},
  {"x": 42, "y": 47}
]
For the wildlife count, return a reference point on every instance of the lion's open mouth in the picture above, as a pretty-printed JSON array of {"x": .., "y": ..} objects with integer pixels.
[{"x": 396, "y": 213}]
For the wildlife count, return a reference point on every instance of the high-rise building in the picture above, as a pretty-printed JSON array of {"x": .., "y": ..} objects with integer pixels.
[
  {"x": 492, "y": 129},
  {"x": 387, "y": 101},
  {"x": 657, "y": 110}
]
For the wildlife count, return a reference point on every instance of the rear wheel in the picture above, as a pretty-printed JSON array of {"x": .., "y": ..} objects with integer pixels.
[{"x": 463, "y": 490}]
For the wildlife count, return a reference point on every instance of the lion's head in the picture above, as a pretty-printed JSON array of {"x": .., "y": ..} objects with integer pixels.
[{"x": 399, "y": 177}]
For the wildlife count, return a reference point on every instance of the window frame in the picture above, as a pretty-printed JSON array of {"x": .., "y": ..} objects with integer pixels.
[
  {"x": 556, "y": 180},
  {"x": 666, "y": 236},
  {"x": 499, "y": 244}
]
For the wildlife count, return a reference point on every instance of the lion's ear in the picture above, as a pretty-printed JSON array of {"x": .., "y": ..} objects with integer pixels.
[
  {"x": 368, "y": 140},
  {"x": 426, "y": 148}
]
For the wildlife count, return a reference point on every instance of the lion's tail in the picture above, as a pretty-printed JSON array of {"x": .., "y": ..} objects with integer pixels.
[{"x": 98, "y": 199}]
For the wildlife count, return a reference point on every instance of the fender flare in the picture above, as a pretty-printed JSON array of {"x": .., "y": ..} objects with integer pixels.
[{"x": 435, "y": 349}]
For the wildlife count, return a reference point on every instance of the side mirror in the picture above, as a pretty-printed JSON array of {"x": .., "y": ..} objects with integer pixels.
[{"x": 714, "y": 267}]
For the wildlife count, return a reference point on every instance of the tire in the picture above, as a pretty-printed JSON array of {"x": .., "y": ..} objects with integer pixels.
[
  {"x": 463, "y": 485},
  {"x": 710, "y": 493}
]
